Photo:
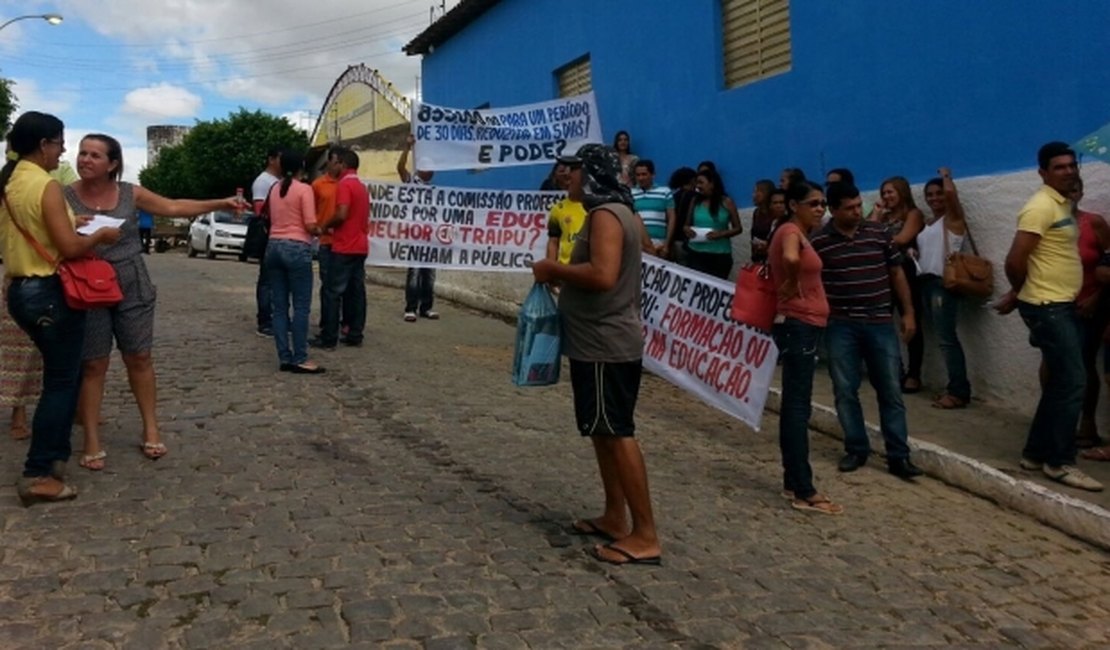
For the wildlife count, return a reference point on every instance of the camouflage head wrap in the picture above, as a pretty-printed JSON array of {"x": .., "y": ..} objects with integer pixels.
[{"x": 601, "y": 168}]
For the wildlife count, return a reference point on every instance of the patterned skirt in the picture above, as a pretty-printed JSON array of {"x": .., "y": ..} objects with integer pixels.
[{"x": 20, "y": 363}]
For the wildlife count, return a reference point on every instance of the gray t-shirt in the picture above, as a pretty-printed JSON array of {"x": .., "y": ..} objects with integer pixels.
[
  {"x": 130, "y": 244},
  {"x": 605, "y": 325}
]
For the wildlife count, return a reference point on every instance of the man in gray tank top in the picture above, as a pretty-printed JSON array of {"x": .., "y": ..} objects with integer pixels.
[{"x": 603, "y": 339}]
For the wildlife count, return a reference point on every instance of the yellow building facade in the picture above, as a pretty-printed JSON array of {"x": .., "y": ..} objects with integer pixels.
[{"x": 365, "y": 113}]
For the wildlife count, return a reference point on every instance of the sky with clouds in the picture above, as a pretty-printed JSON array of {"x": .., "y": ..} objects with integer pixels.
[{"x": 118, "y": 66}]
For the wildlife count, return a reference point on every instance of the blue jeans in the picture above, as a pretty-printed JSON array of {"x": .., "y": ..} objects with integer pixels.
[
  {"x": 942, "y": 305},
  {"x": 420, "y": 290},
  {"x": 289, "y": 266},
  {"x": 852, "y": 344},
  {"x": 38, "y": 306},
  {"x": 264, "y": 296},
  {"x": 797, "y": 343},
  {"x": 346, "y": 284},
  {"x": 1055, "y": 329},
  {"x": 323, "y": 259}
]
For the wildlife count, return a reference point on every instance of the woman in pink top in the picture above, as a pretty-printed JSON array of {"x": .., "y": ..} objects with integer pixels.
[
  {"x": 292, "y": 208},
  {"x": 1094, "y": 313},
  {"x": 803, "y": 313}
]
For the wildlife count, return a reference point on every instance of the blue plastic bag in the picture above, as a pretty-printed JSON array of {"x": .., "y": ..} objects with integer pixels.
[{"x": 536, "y": 360}]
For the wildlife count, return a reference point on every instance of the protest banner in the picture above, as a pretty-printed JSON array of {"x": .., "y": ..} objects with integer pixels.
[
  {"x": 457, "y": 228},
  {"x": 454, "y": 138},
  {"x": 690, "y": 340}
]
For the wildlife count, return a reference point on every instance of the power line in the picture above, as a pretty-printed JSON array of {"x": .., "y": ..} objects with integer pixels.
[
  {"x": 298, "y": 27},
  {"x": 221, "y": 60}
]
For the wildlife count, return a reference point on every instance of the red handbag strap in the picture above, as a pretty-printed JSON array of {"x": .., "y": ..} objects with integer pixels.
[{"x": 33, "y": 242}]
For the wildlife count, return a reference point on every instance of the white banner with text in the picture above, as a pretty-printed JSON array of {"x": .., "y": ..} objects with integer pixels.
[
  {"x": 531, "y": 134},
  {"x": 457, "y": 228},
  {"x": 690, "y": 340}
]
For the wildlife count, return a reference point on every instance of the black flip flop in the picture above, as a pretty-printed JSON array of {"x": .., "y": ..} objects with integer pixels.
[
  {"x": 587, "y": 528},
  {"x": 304, "y": 370},
  {"x": 654, "y": 560}
]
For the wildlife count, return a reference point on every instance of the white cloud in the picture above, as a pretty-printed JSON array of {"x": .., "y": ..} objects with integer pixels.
[
  {"x": 161, "y": 101},
  {"x": 56, "y": 101},
  {"x": 301, "y": 119},
  {"x": 272, "y": 57}
]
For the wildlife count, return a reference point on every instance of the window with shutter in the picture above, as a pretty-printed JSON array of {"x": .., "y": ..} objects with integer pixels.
[
  {"x": 574, "y": 78},
  {"x": 756, "y": 39}
]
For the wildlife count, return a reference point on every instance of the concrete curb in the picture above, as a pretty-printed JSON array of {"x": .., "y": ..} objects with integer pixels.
[
  {"x": 1075, "y": 517},
  {"x": 1080, "y": 519}
]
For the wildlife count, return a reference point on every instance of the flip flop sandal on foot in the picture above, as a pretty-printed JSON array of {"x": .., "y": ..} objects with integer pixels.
[
  {"x": 628, "y": 558},
  {"x": 94, "y": 462},
  {"x": 153, "y": 450},
  {"x": 1098, "y": 453},
  {"x": 949, "y": 402},
  {"x": 817, "y": 503}
]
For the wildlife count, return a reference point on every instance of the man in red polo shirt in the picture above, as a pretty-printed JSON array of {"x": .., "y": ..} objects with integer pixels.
[{"x": 346, "y": 279}]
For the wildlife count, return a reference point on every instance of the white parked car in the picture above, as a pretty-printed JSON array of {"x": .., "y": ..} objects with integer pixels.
[{"x": 216, "y": 233}]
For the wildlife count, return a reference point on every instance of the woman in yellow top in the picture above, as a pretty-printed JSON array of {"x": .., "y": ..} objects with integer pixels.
[{"x": 33, "y": 208}]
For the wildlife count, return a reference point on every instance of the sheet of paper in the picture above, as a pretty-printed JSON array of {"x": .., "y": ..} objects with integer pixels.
[
  {"x": 700, "y": 233},
  {"x": 99, "y": 221}
]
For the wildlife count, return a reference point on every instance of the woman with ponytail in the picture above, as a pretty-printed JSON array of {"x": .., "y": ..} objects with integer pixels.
[
  {"x": 38, "y": 232},
  {"x": 289, "y": 263},
  {"x": 803, "y": 312},
  {"x": 130, "y": 323}
]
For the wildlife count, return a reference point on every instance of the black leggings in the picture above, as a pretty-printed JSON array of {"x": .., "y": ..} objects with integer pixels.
[{"x": 716, "y": 264}]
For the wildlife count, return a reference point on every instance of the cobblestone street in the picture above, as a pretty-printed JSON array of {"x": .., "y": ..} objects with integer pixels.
[{"x": 413, "y": 498}]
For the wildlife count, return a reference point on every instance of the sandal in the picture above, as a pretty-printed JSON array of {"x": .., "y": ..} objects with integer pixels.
[
  {"x": 1098, "y": 453},
  {"x": 304, "y": 369},
  {"x": 818, "y": 503},
  {"x": 948, "y": 402},
  {"x": 153, "y": 450},
  {"x": 93, "y": 462}
]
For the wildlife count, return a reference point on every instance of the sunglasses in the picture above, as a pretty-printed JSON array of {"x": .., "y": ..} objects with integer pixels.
[{"x": 815, "y": 203}]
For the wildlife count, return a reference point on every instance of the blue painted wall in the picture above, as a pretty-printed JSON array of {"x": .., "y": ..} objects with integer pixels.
[{"x": 885, "y": 87}]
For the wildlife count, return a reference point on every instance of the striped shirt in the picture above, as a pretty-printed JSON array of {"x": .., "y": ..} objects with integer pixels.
[
  {"x": 856, "y": 271},
  {"x": 652, "y": 206}
]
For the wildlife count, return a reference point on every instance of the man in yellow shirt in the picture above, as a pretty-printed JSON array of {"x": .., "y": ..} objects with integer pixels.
[
  {"x": 1045, "y": 275},
  {"x": 564, "y": 221}
]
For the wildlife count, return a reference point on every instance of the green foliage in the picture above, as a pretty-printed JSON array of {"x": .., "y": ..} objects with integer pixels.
[
  {"x": 218, "y": 156},
  {"x": 8, "y": 105}
]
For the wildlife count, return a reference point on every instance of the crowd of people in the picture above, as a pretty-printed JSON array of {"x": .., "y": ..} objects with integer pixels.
[
  {"x": 857, "y": 282},
  {"x": 859, "y": 279}
]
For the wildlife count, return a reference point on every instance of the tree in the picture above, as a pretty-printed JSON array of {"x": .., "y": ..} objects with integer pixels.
[
  {"x": 218, "y": 156},
  {"x": 8, "y": 104}
]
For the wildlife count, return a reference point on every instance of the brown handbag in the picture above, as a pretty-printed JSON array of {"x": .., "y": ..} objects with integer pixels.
[{"x": 967, "y": 274}]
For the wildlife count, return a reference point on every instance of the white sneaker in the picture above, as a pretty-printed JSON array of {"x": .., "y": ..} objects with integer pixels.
[
  {"x": 431, "y": 315},
  {"x": 410, "y": 317},
  {"x": 1030, "y": 464},
  {"x": 1072, "y": 476}
]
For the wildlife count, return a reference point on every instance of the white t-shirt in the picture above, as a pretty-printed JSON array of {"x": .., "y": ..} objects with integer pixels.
[
  {"x": 261, "y": 185},
  {"x": 930, "y": 246}
]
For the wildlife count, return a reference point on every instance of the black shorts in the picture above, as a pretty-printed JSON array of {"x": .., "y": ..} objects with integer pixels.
[{"x": 605, "y": 396}]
